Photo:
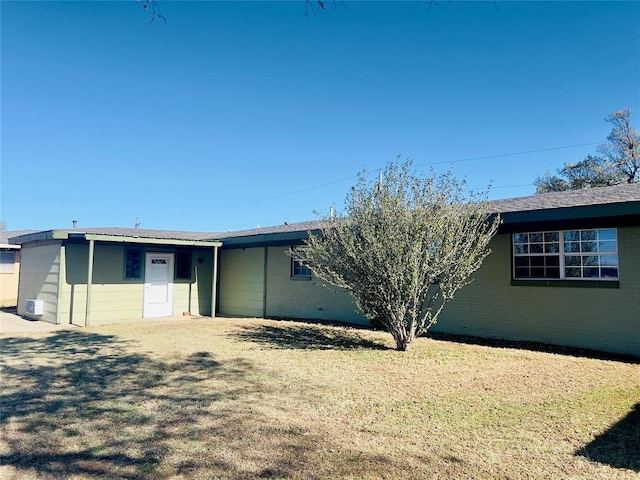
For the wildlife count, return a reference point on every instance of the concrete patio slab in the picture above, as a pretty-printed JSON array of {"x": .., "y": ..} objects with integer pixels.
[{"x": 10, "y": 322}]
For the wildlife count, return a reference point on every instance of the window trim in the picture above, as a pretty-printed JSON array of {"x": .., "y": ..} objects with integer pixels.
[{"x": 562, "y": 254}]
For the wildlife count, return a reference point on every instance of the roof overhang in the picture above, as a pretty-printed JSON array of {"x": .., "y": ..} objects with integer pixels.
[
  {"x": 614, "y": 214},
  {"x": 82, "y": 236},
  {"x": 269, "y": 239}
]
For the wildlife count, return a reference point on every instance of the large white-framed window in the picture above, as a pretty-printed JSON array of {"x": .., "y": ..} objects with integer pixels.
[{"x": 584, "y": 254}]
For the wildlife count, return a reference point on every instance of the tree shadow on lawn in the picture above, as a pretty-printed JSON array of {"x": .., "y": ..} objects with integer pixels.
[
  {"x": 86, "y": 404},
  {"x": 619, "y": 446},
  {"x": 291, "y": 335},
  {"x": 532, "y": 346}
]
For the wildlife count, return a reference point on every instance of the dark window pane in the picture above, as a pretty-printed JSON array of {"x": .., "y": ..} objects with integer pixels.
[
  {"x": 572, "y": 272},
  {"x": 522, "y": 273},
  {"x": 535, "y": 248},
  {"x": 572, "y": 236},
  {"x": 589, "y": 246},
  {"x": 591, "y": 272},
  {"x": 183, "y": 265},
  {"x": 553, "y": 272},
  {"x": 551, "y": 248},
  {"x": 133, "y": 264},
  {"x": 571, "y": 261},
  {"x": 537, "y": 261},
  {"x": 572, "y": 247},
  {"x": 520, "y": 248},
  {"x": 522, "y": 261},
  {"x": 551, "y": 237},
  {"x": 536, "y": 237},
  {"x": 609, "y": 272},
  {"x": 537, "y": 272},
  {"x": 552, "y": 261},
  {"x": 590, "y": 261},
  {"x": 521, "y": 238},
  {"x": 588, "y": 235}
]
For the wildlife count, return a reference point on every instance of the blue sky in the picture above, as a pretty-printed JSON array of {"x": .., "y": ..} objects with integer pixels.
[{"x": 238, "y": 114}]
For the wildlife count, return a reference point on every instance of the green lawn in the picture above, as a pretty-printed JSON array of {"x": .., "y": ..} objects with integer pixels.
[{"x": 244, "y": 398}]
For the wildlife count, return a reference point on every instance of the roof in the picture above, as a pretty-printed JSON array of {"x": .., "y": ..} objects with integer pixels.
[
  {"x": 284, "y": 228},
  {"x": 565, "y": 205},
  {"x": 128, "y": 235},
  {"x": 5, "y": 235},
  {"x": 592, "y": 203},
  {"x": 575, "y": 198}
]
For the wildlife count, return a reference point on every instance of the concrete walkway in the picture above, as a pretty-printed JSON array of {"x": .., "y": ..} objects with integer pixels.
[{"x": 12, "y": 323}]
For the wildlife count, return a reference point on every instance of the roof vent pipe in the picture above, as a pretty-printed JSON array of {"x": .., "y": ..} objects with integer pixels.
[{"x": 75, "y": 223}]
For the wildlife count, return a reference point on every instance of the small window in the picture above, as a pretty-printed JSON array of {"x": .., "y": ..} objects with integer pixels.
[
  {"x": 298, "y": 268},
  {"x": 7, "y": 261},
  {"x": 183, "y": 265},
  {"x": 133, "y": 263}
]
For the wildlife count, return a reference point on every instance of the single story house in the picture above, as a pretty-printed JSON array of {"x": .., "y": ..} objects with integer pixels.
[{"x": 564, "y": 270}]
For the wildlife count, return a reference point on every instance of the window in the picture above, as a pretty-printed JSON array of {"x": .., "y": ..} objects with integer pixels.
[
  {"x": 566, "y": 255},
  {"x": 133, "y": 263},
  {"x": 183, "y": 265},
  {"x": 298, "y": 268},
  {"x": 7, "y": 261}
]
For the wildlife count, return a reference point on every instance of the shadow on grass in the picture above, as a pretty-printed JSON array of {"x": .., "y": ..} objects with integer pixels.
[
  {"x": 619, "y": 446},
  {"x": 532, "y": 346},
  {"x": 85, "y": 404},
  {"x": 291, "y": 335}
]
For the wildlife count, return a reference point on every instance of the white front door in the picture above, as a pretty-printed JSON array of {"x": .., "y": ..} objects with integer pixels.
[{"x": 158, "y": 285}]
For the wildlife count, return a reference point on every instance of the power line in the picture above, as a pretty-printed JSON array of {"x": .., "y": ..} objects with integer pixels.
[
  {"x": 471, "y": 159},
  {"x": 508, "y": 154}
]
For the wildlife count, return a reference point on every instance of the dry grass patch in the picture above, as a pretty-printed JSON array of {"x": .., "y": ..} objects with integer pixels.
[{"x": 229, "y": 398}]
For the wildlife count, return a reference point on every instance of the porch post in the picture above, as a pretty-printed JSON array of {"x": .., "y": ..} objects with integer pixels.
[
  {"x": 87, "y": 317},
  {"x": 214, "y": 282}
]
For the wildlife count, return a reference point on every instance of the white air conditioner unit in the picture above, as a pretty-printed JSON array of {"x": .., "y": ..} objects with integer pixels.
[{"x": 34, "y": 306}]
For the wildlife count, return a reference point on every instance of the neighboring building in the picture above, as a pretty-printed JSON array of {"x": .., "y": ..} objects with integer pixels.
[
  {"x": 564, "y": 269},
  {"x": 9, "y": 268}
]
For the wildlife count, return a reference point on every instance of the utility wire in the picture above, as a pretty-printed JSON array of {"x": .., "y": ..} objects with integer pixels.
[
  {"x": 508, "y": 154},
  {"x": 471, "y": 159}
]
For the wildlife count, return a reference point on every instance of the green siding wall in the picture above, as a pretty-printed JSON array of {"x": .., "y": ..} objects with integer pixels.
[
  {"x": 242, "y": 282},
  {"x": 114, "y": 298},
  {"x": 39, "y": 278},
  {"x": 605, "y": 319},
  {"x": 302, "y": 298},
  {"x": 194, "y": 295}
]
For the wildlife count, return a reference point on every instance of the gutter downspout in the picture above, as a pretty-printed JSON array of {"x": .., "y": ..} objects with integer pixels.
[
  {"x": 264, "y": 282},
  {"x": 214, "y": 282},
  {"x": 87, "y": 317}
]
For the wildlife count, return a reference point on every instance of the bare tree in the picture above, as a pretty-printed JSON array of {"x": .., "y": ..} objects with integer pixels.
[
  {"x": 619, "y": 163},
  {"x": 623, "y": 148},
  {"x": 591, "y": 171},
  {"x": 403, "y": 247},
  {"x": 153, "y": 8}
]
